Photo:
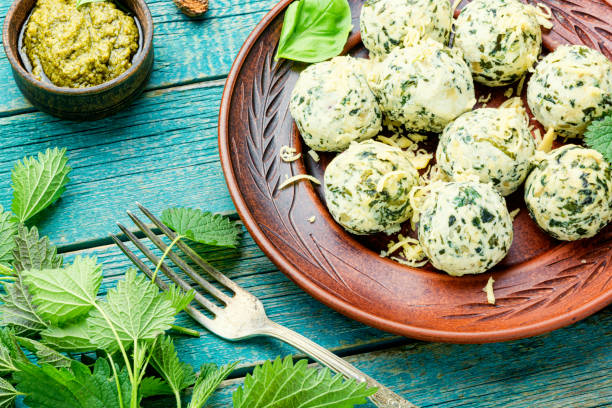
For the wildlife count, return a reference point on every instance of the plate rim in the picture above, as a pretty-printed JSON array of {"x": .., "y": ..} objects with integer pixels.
[{"x": 330, "y": 299}]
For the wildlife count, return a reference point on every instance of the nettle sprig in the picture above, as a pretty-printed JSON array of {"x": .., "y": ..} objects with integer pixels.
[{"x": 51, "y": 309}]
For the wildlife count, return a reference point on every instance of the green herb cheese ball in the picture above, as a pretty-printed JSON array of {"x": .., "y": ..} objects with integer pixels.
[
  {"x": 569, "y": 193},
  {"x": 367, "y": 187},
  {"x": 500, "y": 40},
  {"x": 386, "y": 24},
  {"x": 570, "y": 87},
  {"x": 333, "y": 105},
  {"x": 423, "y": 87},
  {"x": 493, "y": 144},
  {"x": 464, "y": 227}
]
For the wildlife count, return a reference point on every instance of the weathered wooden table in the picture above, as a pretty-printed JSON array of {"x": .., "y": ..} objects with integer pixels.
[{"x": 163, "y": 152}]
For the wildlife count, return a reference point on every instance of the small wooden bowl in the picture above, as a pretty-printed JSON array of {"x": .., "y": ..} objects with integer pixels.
[{"x": 91, "y": 103}]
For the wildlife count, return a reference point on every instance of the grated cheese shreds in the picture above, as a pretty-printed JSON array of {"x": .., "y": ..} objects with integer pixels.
[
  {"x": 387, "y": 140},
  {"x": 488, "y": 289},
  {"x": 515, "y": 102},
  {"x": 396, "y": 140},
  {"x": 433, "y": 174},
  {"x": 314, "y": 155},
  {"x": 417, "y": 137},
  {"x": 484, "y": 99},
  {"x": 514, "y": 213},
  {"x": 544, "y": 15},
  {"x": 419, "y": 158},
  {"x": 297, "y": 178},
  {"x": 519, "y": 87},
  {"x": 538, "y": 136},
  {"x": 411, "y": 251},
  {"x": 381, "y": 183},
  {"x": 547, "y": 141},
  {"x": 312, "y": 219},
  {"x": 414, "y": 264},
  {"x": 289, "y": 154},
  {"x": 416, "y": 197}
]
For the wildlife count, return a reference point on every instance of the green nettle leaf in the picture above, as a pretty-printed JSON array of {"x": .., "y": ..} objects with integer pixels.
[
  {"x": 178, "y": 375},
  {"x": 314, "y": 30},
  {"x": 76, "y": 387},
  {"x": 17, "y": 309},
  {"x": 74, "y": 338},
  {"x": 178, "y": 297},
  {"x": 200, "y": 226},
  {"x": 63, "y": 295},
  {"x": 137, "y": 311},
  {"x": 38, "y": 182},
  {"x": 32, "y": 252},
  {"x": 599, "y": 136},
  {"x": 283, "y": 384},
  {"x": 44, "y": 354},
  {"x": 8, "y": 229},
  {"x": 8, "y": 393},
  {"x": 10, "y": 352},
  {"x": 153, "y": 387},
  {"x": 209, "y": 379}
]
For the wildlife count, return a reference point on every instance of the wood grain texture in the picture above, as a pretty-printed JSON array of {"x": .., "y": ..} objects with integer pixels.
[
  {"x": 186, "y": 50},
  {"x": 152, "y": 152},
  {"x": 567, "y": 368}
]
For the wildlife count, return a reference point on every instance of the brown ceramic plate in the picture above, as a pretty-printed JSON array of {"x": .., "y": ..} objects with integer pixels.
[{"x": 542, "y": 285}]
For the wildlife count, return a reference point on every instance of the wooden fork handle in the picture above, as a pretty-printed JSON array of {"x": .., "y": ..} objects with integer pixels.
[{"x": 384, "y": 397}]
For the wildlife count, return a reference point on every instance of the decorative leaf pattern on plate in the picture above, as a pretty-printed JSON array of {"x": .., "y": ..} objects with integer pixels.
[
  {"x": 576, "y": 270},
  {"x": 265, "y": 112},
  {"x": 580, "y": 21}
]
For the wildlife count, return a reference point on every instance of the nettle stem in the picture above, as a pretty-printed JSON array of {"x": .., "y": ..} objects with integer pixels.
[
  {"x": 117, "y": 384},
  {"x": 119, "y": 343},
  {"x": 165, "y": 254},
  {"x": 185, "y": 330},
  {"x": 135, "y": 382}
]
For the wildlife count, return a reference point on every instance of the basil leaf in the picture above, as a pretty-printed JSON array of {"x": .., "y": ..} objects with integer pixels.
[{"x": 314, "y": 30}]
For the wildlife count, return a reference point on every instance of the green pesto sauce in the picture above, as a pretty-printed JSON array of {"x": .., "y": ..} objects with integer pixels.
[{"x": 79, "y": 47}]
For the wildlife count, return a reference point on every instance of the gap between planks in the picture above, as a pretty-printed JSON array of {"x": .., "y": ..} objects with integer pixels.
[{"x": 208, "y": 82}]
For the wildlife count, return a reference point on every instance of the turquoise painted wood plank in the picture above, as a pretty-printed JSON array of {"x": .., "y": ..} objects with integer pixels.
[
  {"x": 567, "y": 368},
  {"x": 162, "y": 151},
  {"x": 285, "y": 303},
  {"x": 186, "y": 50}
]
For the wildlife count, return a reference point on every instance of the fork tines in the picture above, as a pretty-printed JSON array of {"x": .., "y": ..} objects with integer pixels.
[{"x": 182, "y": 265}]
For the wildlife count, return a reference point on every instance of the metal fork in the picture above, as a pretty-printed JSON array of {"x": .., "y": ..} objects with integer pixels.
[{"x": 242, "y": 315}]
